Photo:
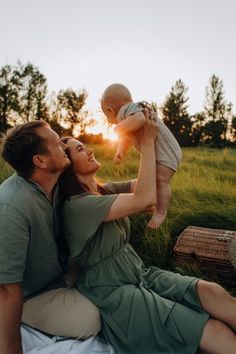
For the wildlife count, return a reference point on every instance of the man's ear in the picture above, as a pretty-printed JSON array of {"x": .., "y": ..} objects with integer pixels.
[{"x": 39, "y": 161}]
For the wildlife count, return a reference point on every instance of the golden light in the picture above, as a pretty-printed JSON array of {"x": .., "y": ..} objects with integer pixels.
[{"x": 105, "y": 130}]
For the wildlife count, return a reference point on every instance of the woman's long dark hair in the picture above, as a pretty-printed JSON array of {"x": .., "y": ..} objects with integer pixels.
[{"x": 69, "y": 185}]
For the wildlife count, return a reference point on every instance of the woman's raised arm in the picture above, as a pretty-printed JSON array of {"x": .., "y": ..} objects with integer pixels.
[{"x": 144, "y": 194}]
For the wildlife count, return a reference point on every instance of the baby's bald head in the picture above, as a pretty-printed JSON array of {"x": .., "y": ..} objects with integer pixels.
[{"x": 115, "y": 96}]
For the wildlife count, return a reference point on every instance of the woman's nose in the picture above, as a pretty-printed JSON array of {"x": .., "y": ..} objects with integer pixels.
[{"x": 89, "y": 150}]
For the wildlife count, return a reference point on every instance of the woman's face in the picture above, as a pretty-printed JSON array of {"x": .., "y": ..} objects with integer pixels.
[{"x": 82, "y": 158}]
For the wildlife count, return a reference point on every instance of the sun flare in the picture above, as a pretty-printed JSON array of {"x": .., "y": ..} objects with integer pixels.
[{"x": 106, "y": 131}]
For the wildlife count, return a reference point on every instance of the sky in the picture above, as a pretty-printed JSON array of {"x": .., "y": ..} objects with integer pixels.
[{"x": 145, "y": 44}]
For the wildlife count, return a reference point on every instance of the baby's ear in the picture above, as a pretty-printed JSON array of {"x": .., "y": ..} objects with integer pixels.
[{"x": 110, "y": 110}]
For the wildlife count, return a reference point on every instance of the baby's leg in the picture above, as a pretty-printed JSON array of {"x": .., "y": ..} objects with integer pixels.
[{"x": 163, "y": 191}]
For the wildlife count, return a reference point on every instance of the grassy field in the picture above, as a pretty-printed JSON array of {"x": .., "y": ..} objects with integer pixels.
[{"x": 203, "y": 194}]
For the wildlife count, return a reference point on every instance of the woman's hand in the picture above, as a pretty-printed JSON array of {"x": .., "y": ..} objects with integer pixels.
[{"x": 150, "y": 130}]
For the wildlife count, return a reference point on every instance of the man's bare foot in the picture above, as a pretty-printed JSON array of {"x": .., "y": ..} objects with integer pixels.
[{"x": 156, "y": 220}]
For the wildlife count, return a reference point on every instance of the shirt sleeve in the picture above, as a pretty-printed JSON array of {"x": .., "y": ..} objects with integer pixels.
[
  {"x": 118, "y": 187},
  {"x": 82, "y": 217},
  {"x": 14, "y": 240}
]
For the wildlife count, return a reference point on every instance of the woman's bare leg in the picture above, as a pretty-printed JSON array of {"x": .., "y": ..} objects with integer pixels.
[
  {"x": 217, "y": 302},
  {"x": 217, "y": 338}
]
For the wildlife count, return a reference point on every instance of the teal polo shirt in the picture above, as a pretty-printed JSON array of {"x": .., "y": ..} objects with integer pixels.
[{"x": 28, "y": 250}]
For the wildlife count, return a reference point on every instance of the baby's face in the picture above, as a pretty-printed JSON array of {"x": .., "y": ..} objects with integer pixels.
[{"x": 110, "y": 114}]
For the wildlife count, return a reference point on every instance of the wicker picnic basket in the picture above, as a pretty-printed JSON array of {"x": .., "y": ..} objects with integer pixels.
[{"x": 212, "y": 250}]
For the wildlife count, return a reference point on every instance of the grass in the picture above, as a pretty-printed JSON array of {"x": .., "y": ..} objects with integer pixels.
[{"x": 203, "y": 194}]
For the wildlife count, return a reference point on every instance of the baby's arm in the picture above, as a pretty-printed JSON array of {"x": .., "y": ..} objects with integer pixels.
[
  {"x": 131, "y": 123},
  {"x": 123, "y": 146}
]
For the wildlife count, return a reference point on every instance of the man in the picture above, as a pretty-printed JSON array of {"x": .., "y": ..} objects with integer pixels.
[{"x": 31, "y": 278}]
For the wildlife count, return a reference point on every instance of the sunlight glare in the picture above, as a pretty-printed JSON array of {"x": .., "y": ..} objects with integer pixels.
[{"x": 106, "y": 131}]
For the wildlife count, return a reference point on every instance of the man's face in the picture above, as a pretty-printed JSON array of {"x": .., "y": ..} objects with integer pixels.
[{"x": 55, "y": 157}]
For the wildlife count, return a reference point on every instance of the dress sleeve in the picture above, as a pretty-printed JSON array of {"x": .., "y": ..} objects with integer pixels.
[
  {"x": 118, "y": 187},
  {"x": 14, "y": 240},
  {"x": 82, "y": 217}
]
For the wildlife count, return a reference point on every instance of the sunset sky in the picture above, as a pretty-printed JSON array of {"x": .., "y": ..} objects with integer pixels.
[{"x": 145, "y": 44}]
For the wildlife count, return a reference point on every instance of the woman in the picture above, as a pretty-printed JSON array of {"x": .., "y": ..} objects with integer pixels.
[{"x": 143, "y": 310}]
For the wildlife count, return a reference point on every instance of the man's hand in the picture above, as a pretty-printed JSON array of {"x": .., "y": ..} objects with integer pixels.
[{"x": 11, "y": 303}]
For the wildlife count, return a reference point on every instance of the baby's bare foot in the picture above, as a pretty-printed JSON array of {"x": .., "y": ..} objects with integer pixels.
[{"x": 156, "y": 220}]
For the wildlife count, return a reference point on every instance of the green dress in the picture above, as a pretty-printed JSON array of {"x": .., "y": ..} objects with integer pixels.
[{"x": 143, "y": 310}]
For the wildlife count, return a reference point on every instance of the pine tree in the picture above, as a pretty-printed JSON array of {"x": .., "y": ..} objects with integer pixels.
[
  {"x": 218, "y": 113},
  {"x": 175, "y": 114}
]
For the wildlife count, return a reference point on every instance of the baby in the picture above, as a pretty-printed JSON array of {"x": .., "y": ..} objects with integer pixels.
[{"x": 119, "y": 108}]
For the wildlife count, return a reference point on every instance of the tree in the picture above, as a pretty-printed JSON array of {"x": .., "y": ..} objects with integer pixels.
[
  {"x": 22, "y": 94},
  {"x": 33, "y": 93},
  {"x": 233, "y": 128},
  {"x": 198, "y": 123},
  {"x": 218, "y": 112},
  {"x": 53, "y": 114},
  {"x": 175, "y": 114},
  {"x": 70, "y": 104},
  {"x": 9, "y": 96}
]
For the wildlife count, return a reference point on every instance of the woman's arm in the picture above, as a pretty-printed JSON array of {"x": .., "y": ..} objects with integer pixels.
[{"x": 144, "y": 194}]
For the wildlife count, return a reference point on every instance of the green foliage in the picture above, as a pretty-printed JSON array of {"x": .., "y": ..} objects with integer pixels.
[
  {"x": 233, "y": 128},
  {"x": 33, "y": 92},
  {"x": 203, "y": 194},
  {"x": 5, "y": 170},
  {"x": 22, "y": 94},
  {"x": 9, "y": 95},
  {"x": 218, "y": 112},
  {"x": 70, "y": 104},
  {"x": 197, "y": 133},
  {"x": 175, "y": 114}
]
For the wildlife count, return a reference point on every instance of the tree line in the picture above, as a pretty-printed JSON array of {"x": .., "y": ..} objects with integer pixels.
[
  {"x": 215, "y": 125},
  {"x": 24, "y": 96}
]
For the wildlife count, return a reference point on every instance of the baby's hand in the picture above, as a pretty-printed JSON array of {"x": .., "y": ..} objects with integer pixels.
[{"x": 118, "y": 158}]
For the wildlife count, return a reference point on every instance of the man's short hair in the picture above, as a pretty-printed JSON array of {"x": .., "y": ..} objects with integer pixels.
[{"x": 20, "y": 144}]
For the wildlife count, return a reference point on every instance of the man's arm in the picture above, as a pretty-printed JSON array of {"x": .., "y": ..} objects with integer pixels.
[
  {"x": 131, "y": 123},
  {"x": 11, "y": 304}
]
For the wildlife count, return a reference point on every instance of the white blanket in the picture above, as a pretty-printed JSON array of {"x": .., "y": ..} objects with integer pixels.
[{"x": 35, "y": 342}]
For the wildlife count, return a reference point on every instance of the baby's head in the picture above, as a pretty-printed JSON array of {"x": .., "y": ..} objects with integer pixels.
[{"x": 113, "y": 98}]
